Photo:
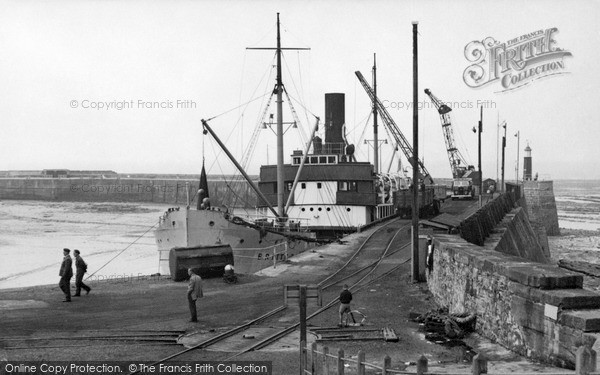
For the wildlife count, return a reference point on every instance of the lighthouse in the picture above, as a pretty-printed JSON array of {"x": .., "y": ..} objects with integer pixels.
[{"x": 527, "y": 171}]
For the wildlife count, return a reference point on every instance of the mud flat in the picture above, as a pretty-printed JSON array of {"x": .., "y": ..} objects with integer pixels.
[
  {"x": 33, "y": 234},
  {"x": 581, "y": 245}
]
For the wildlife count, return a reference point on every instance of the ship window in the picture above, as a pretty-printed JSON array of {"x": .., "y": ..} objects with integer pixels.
[
  {"x": 211, "y": 223},
  {"x": 328, "y": 208},
  {"x": 288, "y": 186},
  {"x": 347, "y": 186},
  {"x": 303, "y": 185},
  {"x": 331, "y": 159},
  {"x": 297, "y": 161},
  {"x": 320, "y": 209},
  {"x": 318, "y": 185},
  {"x": 303, "y": 209},
  {"x": 348, "y": 209},
  {"x": 323, "y": 159},
  {"x": 314, "y": 160},
  {"x": 312, "y": 209}
]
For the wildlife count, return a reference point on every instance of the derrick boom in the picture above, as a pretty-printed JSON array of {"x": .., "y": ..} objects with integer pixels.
[
  {"x": 458, "y": 165},
  {"x": 394, "y": 130}
]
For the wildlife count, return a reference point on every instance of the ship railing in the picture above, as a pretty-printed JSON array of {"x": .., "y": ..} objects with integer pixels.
[{"x": 270, "y": 222}]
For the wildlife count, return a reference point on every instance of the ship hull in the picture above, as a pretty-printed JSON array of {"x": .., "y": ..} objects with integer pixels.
[{"x": 253, "y": 249}]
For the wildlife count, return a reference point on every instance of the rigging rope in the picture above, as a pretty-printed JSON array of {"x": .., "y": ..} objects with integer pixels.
[{"x": 121, "y": 252}]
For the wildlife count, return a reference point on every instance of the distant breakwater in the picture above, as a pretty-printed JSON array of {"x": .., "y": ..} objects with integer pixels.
[{"x": 151, "y": 190}]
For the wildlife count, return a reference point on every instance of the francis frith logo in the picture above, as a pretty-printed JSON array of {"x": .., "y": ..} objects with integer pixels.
[{"x": 514, "y": 63}]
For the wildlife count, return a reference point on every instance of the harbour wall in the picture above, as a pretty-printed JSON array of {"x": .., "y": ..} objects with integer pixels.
[
  {"x": 523, "y": 302},
  {"x": 541, "y": 205},
  {"x": 150, "y": 190}
]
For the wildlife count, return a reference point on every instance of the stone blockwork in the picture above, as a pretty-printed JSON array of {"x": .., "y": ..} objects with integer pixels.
[
  {"x": 169, "y": 191},
  {"x": 535, "y": 309},
  {"x": 541, "y": 205}
]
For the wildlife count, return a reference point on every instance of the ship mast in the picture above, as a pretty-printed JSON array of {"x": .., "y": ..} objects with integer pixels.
[{"x": 279, "y": 90}]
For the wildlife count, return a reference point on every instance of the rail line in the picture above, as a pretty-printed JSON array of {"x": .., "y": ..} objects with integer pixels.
[
  {"x": 376, "y": 240},
  {"x": 324, "y": 284}
]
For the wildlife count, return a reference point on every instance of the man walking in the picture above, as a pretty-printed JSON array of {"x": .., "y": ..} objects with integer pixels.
[
  {"x": 194, "y": 292},
  {"x": 81, "y": 269},
  {"x": 66, "y": 273},
  {"x": 345, "y": 298}
]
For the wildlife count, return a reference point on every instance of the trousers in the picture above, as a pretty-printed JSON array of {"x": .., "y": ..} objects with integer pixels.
[
  {"x": 192, "y": 305},
  {"x": 65, "y": 286},
  {"x": 79, "y": 284}
]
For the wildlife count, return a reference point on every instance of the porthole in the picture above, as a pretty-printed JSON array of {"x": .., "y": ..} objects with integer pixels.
[
  {"x": 312, "y": 209},
  {"x": 320, "y": 209},
  {"x": 211, "y": 223},
  {"x": 303, "y": 209},
  {"x": 328, "y": 208},
  {"x": 348, "y": 209},
  {"x": 241, "y": 240},
  {"x": 173, "y": 223}
]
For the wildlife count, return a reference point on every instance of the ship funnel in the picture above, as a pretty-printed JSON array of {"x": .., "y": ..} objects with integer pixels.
[{"x": 335, "y": 119}]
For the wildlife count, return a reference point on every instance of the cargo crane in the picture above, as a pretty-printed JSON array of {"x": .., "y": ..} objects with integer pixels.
[
  {"x": 395, "y": 131},
  {"x": 462, "y": 183}
]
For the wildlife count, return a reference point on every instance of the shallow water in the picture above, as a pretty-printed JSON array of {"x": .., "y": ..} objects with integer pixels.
[
  {"x": 33, "y": 234},
  {"x": 578, "y": 204}
]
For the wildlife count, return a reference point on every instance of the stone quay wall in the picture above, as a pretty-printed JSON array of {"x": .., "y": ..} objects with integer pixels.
[
  {"x": 535, "y": 309},
  {"x": 541, "y": 205},
  {"x": 151, "y": 190}
]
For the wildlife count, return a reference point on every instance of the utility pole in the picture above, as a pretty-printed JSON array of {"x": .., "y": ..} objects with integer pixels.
[
  {"x": 503, "y": 147},
  {"x": 518, "y": 135},
  {"x": 480, "y": 172},
  {"x": 415, "y": 157}
]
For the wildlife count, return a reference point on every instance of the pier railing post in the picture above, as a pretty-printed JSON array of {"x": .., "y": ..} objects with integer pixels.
[
  {"x": 360, "y": 365},
  {"x": 340, "y": 362},
  {"x": 302, "y": 357},
  {"x": 422, "y": 365},
  {"x": 387, "y": 364},
  {"x": 326, "y": 360},
  {"x": 479, "y": 365}
]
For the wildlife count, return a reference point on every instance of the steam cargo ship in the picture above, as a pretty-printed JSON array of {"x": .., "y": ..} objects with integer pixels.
[{"x": 322, "y": 193}]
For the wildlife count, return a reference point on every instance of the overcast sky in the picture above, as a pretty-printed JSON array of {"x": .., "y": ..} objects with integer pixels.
[{"x": 60, "y": 58}]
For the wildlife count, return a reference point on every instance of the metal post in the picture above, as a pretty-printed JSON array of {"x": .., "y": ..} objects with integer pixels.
[
  {"x": 479, "y": 153},
  {"x": 503, "y": 147},
  {"x": 518, "y": 135},
  {"x": 415, "y": 157},
  {"x": 302, "y": 302}
]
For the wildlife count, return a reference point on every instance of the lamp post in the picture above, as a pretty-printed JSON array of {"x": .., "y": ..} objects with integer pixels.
[
  {"x": 518, "y": 135},
  {"x": 503, "y": 147},
  {"x": 479, "y": 154}
]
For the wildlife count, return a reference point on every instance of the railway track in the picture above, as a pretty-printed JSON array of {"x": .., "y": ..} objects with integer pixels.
[
  {"x": 366, "y": 265},
  {"x": 362, "y": 268}
]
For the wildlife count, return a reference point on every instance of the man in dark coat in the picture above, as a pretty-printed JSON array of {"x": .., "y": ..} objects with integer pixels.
[
  {"x": 81, "y": 269},
  {"x": 66, "y": 273},
  {"x": 194, "y": 292},
  {"x": 345, "y": 298}
]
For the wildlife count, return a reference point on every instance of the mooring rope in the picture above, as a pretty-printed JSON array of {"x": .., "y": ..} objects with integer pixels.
[{"x": 121, "y": 252}]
